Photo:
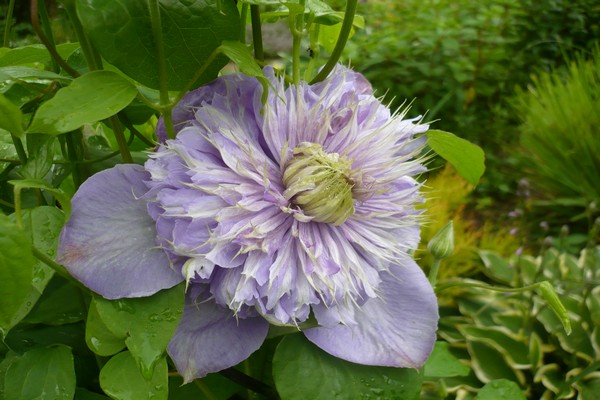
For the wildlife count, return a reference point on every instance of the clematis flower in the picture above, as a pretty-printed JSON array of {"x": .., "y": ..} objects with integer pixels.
[{"x": 298, "y": 212}]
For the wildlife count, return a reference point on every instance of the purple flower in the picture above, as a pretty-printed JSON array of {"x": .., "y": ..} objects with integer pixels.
[{"x": 272, "y": 214}]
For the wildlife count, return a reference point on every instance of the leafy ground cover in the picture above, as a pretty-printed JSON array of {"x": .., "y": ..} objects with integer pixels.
[{"x": 516, "y": 273}]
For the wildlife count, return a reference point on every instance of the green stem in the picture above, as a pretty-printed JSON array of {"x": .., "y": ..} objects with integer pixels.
[
  {"x": 433, "y": 272},
  {"x": 243, "y": 18},
  {"x": 59, "y": 269},
  {"x": 121, "y": 140},
  {"x": 206, "y": 392},
  {"x": 296, "y": 27},
  {"x": 487, "y": 287},
  {"x": 250, "y": 383},
  {"x": 8, "y": 23},
  {"x": 35, "y": 23},
  {"x": 163, "y": 84},
  {"x": 20, "y": 149},
  {"x": 43, "y": 13},
  {"x": 73, "y": 155},
  {"x": 92, "y": 58},
  {"x": 125, "y": 121},
  {"x": 341, "y": 42},
  {"x": 257, "y": 33}
]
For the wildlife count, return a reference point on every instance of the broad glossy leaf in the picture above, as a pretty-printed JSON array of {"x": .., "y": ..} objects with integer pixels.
[
  {"x": 303, "y": 371},
  {"x": 513, "y": 350},
  {"x": 43, "y": 224},
  {"x": 32, "y": 75},
  {"x": 7, "y": 149},
  {"x": 497, "y": 267},
  {"x": 148, "y": 323},
  {"x": 500, "y": 389},
  {"x": 191, "y": 31},
  {"x": 59, "y": 194},
  {"x": 121, "y": 379},
  {"x": 98, "y": 337},
  {"x": 91, "y": 97},
  {"x": 489, "y": 364},
  {"x": 35, "y": 53},
  {"x": 40, "y": 149},
  {"x": 26, "y": 337},
  {"x": 11, "y": 117},
  {"x": 442, "y": 363},
  {"x": 466, "y": 157},
  {"x": 59, "y": 304},
  {"x": 16, "y": 271},
  {"x": 41, "y": 373}
]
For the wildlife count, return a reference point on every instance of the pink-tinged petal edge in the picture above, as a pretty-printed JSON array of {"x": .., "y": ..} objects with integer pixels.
[
  {"x": 396, "y": 330},
  {"x": 210, "y": 338},
  {"x": 109, "y": 242}
]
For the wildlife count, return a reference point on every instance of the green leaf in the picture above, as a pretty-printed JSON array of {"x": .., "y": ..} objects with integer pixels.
[
  {"x": 191, "y": 31},
  {"x": 300, "y": 364},
  {"x": 98, "y": 337},
  {"x": 43, "y": 224},
  {"x": 7, "y": 149},
  {"x": 240, "y": 54},
  {"x": 58, "y": 305},
  {"x": 16, "y": 271},
  {"x": 497, "y": 267},
  {"x": 41, "y": 373},
  {"x": 121, "y": 379},
  {"x": 35, "y": 53},
  {"x": 443, "y": 364},
  {"x": 31, "y": 75},
  {"x": 82, "y": 394},
  {"x": 549, "y": 294},
  {"x": 500, "y": 389},
  {"x": 466, "y": 157},
  {"x": 91, "y": 97},
  {"x": 489, "y": 364},
  {"x": 41, "y": 155},
  {"x": 61, "y": 196},
  {"x": 148, "y": 323},
  {"x": 11, "y": 118}
]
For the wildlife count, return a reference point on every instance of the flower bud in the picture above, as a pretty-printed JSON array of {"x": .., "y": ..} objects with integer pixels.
[
  {"x": 442, "y": 244},
  {"x": 319, "y": 183}
]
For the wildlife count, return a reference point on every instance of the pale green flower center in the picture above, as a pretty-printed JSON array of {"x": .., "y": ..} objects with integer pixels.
[{"x": 319, "y": 183}]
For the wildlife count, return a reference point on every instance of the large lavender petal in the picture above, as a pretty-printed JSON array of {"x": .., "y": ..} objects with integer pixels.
[
  {"x": 109, "y": 241},
  {"x": 210, "y": 338},
  {"x": 397, "y": 330}
]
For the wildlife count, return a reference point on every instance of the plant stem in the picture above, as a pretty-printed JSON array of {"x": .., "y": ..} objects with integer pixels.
[
  {"x": 73, "y": 155},
  {"x": 163, "y": 83},
  {"x": 20, "y": 149},
  {"x": 250, "y": 383},
  {"x": 487, "y": 287},
  {"x": 296, "y": 27},
  {"x": 59, "y": 269},
  {"x": 257, "y": 33},
  {"x": 35, "y": 23},
  {"x": 341, "y": 42},
  {"x": 121, "y": 141},
  {"x": 8, "y": 23},
  {"x": 433, "y": 272},
  {"x": 92, "y": 58}
]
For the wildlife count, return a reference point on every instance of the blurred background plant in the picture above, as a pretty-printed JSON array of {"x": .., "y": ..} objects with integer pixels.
[{"x": 522, "y": 79}]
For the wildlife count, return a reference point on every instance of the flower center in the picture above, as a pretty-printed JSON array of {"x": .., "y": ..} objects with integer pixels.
[{"x": 319, "y": 183}]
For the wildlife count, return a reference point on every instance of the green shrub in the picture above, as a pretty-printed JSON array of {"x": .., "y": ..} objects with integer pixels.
[{"x": 560, "y": 133}]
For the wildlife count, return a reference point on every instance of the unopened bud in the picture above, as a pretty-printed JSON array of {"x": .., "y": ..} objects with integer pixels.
[
  {"x": 442, "y": 244},
  {"x": 549, "y": 294}
]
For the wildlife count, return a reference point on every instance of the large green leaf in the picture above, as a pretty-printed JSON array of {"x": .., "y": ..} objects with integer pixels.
[
  {"x": 41, "y": 373},
  {"x": 147, "y": 323},
  {"x": 500, "y": 389},
  {"x": 91, "y": 97},
  {"x": 11, "y": 117},
  {"x": 43, "y": 224},
  {"x": 98, "y": 337},
  {"x": 35, "y": 53},
  {"x": 303, "y": 371},
  {"x": 121, "y": 379},
  {"x": 467, "y": 158},
  {"x": 16, "y": 271},
  {"x": 442, "y": 363},
  {"x": 191, "y": 30}
]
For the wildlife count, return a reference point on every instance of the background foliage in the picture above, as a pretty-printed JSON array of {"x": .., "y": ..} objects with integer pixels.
[{"x": 519, "y": 77}]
